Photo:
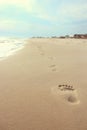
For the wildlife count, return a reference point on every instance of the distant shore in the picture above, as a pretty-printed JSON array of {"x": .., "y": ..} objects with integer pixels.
[{"x": 75, "y": 36}]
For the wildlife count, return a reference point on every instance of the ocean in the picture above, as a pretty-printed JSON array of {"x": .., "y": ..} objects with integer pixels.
[{"x": 8, "y": 46}]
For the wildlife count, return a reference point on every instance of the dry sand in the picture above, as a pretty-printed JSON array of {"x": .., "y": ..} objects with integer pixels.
[{"x": 30, "y": 95}]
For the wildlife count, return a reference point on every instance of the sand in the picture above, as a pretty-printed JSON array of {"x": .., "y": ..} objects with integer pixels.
[{"x": 30, "y": 95}]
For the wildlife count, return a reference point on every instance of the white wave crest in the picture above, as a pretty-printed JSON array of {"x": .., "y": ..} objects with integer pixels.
[{"x": 9, "y": 46}]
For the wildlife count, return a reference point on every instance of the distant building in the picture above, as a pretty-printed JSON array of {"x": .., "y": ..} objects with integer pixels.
[
  {"x": 62, "y": 37},
  {"x": 83, "y": 36},
  {"x": 66, "y": 36}
]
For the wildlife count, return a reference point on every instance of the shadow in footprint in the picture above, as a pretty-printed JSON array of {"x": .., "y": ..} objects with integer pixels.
[
  {"x": 51, "y": 58},
  {"x": 53, "y": 67},
  {"x": 42, "y": 53},
  {"x": 71, "y": 99}
]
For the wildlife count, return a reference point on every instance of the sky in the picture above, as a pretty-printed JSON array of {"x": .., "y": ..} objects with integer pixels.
[{"x": 27, "y": 18}]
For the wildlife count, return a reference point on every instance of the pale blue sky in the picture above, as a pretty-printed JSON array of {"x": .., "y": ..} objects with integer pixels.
[{"x": 28, "y": 18}]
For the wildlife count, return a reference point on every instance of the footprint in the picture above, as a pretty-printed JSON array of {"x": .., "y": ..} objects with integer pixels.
[
  {"x": 51, "y": 58},
  {"x": 67, "y": 93},
  {"x": 53, "y": 67},
  {"x": 41, "y": 50},
  {"x": 42, "y": 53}
]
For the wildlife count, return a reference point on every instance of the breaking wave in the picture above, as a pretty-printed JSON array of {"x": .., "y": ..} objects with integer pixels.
[{"x": 8, "y": 46}]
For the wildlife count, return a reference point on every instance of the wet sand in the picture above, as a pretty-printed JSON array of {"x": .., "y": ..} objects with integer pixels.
[{"x": 35, "y": 83}]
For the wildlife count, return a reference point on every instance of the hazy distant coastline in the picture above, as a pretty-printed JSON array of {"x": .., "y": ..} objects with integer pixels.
[{"x": 76, "y": 36}]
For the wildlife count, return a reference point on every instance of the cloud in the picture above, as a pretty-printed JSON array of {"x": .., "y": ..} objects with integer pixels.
[
  {"x": 19, "y": 2},
  {"x": 26, "y": 4},
  {"x": 48, "y": 16},
  {"x": 50, "y": 10},
  {"x": 76, "y": 11}
]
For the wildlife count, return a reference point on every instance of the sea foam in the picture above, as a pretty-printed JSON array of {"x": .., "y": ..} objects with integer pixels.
[{"x": 8, "y": 46}]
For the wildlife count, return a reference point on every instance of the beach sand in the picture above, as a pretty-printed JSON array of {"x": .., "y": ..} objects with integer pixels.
[{"x": 35, "y": 86}]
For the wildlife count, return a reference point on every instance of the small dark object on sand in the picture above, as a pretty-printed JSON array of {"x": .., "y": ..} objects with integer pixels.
[{"x": 59, "y": 85}]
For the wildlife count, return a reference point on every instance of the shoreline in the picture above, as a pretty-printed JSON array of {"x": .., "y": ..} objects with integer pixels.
[
  {"x": 13, "y": 50},
  {"x": 29, "y": 80}
]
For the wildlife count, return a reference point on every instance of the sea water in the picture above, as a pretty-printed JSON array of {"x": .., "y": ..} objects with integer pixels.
[{"x": 8, "y": 46}]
